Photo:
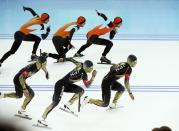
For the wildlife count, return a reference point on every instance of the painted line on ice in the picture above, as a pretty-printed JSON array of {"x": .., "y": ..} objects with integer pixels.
[
  {"x": 155, "y": 91},
  {"x": 97, "y": 88}
]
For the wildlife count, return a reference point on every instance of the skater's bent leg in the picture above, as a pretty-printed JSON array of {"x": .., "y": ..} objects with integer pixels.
[
  {"x": 59, "y": 88},
  {"x": 116, "y": 86},
  {"x": 13, "y": 49},
  {"x": 36, "y": 39},
  {"x": 83, "y": 47},
  {"x": 12, "y": 95},
  {"x": 55, "y": 56},
  {"x": 102, "y": 103},
  {"x": 79, "y": 93},
  {"x": 97, "y": 102},
  {"x": 107, "y": 48}
]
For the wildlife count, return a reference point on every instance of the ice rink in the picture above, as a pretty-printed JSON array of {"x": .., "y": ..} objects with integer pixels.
[{"x": 154, "y": 82}]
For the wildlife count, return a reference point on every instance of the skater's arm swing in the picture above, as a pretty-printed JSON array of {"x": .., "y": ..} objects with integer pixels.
[
  {"x": 34, "y": 14},
  {"x": 87, "y": 83},
  {"x": 30, "y": 10},
  {"x": 112, "y": 34},
  {"x": 45, "y": 70},
  {"x": 102, "y": 15},
  {"x": 127, "y": 85}
]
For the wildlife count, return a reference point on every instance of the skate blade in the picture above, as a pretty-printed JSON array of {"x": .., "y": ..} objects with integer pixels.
[
  {"x": 31, "y": 60},
  {"x": 41, "y": 126},
  {"x": 105, "y": 63},
  {"x": 118, "y": 107},
  {"x": 24, "y": 117},
  {"x": 70, "y": 112}
]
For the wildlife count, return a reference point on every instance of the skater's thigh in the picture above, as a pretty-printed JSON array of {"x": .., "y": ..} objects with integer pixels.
[
  {"x": 72, "y": 88},
  {"x": 116, "y": 86},
  {"x": 101, "y": 41},
  {"x": 18, "y": 87},
  {"x": 31, "y": 37}
]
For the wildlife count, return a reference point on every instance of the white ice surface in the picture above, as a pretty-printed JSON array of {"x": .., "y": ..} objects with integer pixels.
[{"x": 157, "y": 68}]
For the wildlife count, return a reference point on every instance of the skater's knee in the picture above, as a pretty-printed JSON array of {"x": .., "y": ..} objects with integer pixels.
[
  {"x": 55, "y": 103},
  {"x": 110, "y": 44},
  {"x": 32, "y": 94},
  {"x": 38, "y": 39},
  {"x": 81, "y": 91},
  {"x": 19, "y": 95},
  {"x": 121, "y": 90}
]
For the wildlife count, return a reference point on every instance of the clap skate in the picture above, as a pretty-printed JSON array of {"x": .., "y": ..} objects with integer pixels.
[
  {"x": 68, "y": 109},
  {"x": 78, "y": 55},
  {"x": 104, "y": 60},
  {"x": 33, "y": 58},
  {"x": 22, "y": 114},
  {"x": 42, "y": 124}
]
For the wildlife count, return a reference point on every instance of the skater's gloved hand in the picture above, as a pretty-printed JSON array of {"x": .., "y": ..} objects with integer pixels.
[
  {"x": 48, "y": 29},
  {"x": 47, "y": 76},
  {"x": 94, "y": 73},
  {"x": 97, "y": 12},
  {"x": 24, "y": 8},
  {"x": 26, "y": 92},
  {"x": 131, "y": 95}
]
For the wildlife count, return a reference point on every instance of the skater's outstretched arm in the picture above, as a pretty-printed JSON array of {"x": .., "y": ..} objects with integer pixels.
[
  {"x": 127, "y": 85},
  {"x": 72, "y": 31},
  {"x": 30, "y": 10},
  {"x": 102, "y": 15},
  {"x": 34, "y": 14},
  {"x": 45, "y": 70}
]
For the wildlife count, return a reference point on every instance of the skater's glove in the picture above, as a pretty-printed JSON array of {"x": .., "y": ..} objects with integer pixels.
[
  {"x": 97, "y": 12},
  {"x": 24, "y": 8},
  {"x": 94, "y": 73},
  {"x": 131, "y": 95},
  {"x": 48, "y": 29},
  {"x": 47, "y": 75}
]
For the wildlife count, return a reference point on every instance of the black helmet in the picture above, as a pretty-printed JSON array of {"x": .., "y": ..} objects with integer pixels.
[
  {"x": 132, "y": 58},
  {"x": 88, "y": 63},
  {"x": 43, "y": 57}
]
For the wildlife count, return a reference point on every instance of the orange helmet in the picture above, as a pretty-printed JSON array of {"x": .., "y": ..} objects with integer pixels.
[
  {"x": 117, "y": 20},
  {"x": 44, "y": 16},
  {"x": 81, "y": 20}
]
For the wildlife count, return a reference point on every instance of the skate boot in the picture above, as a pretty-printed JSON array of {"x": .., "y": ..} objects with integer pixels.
[
  {"x": 42, "y": 122},
  {"x": 34, "y": 57},
  {"x": 78, "y": 55},
  {"x": 1, "y": 95},
  {"x": 113, "y": 106},
  {"x": 85, "y": 101},
  {"x": 61, "y": 60},
  {"x": 22, "y": 112},
  {"x": 105, "y": 60},
  {"x": 67, "y": 107}
]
